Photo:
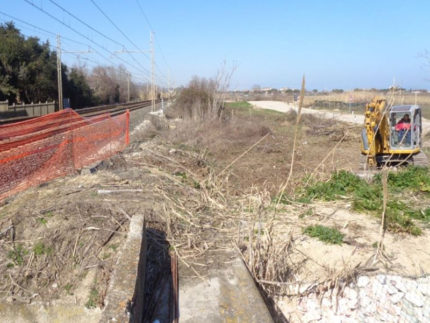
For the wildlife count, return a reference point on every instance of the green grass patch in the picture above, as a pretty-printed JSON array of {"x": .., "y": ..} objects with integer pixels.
[
  {"x": 182, "y": 175},
  {"x": 325, "y": 234},
  {"x": 239, "y": 105},
  {"x": 246, "y": 107},
  {"x": 114, "y": 246},
  {"x": 368, "y": 196},
  {"x": 413, "y": 178},
  {"x": 68, "y": 288},
  {"x": 17, "y": 254},
  {"x": 92, "y": 298},
  {"x": 42, "y": 221},
  {"x": 40, "y": 249}
]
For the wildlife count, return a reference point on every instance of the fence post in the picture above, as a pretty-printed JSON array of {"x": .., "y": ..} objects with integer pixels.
[{"x": 127, "y": 127}]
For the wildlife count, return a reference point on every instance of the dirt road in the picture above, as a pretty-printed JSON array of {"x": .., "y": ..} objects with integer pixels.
[{"x": 346, "y": 117}]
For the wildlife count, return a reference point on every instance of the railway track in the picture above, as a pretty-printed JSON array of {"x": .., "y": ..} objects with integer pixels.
[{"x": 113, "y": 109}]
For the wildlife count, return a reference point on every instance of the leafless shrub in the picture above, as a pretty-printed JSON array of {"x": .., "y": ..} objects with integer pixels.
[
  {"x": 195, "y": 101},
  {"x": 203, "y": 99}
]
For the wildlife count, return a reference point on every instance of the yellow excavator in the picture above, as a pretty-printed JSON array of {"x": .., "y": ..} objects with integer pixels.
[{"x": 391, "y": 135}]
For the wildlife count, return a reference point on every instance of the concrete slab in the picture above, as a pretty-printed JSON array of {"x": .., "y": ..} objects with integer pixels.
[
  {"x": 228, "y": 295},
  {"x": 124, "y": 300}
]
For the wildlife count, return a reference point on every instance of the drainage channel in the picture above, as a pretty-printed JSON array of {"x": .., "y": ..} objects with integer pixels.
[{"x": 145, "y": 285}]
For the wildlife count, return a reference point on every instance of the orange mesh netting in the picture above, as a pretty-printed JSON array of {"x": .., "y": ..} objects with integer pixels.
[{"x": 44, "y": 148}]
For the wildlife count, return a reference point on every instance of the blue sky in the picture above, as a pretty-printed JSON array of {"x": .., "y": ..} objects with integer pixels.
[{"x": 337, "y": 44}]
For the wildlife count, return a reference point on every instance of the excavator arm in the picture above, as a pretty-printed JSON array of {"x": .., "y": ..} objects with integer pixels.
[{"x": 376, "y": 133}]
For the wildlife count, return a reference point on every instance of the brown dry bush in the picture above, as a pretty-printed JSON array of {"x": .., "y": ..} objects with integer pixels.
[{"x": 198, "y": 101}]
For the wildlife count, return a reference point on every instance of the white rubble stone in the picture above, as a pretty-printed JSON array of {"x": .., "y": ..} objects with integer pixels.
[
  {"x": 362, "y": 281},
  {"x": 377, "y": 287},
  {"x": 312, "y": 316},
  {"x": 385, "y": 317},
  {"x": 397, "y": 310},
  {"x": 395, "y": 298},
  {"x": 342, "y": 306},
  {"x": 312, "y": 304},
  {"x": 326, "y": 303},
  {"x": 424, "y": 288},
  {"x": 415, "y": 298},
  {"x": 381, "y": 278},
  {"x": 333, "y": 318},
  {"x": 401, "y": 286},
  {"x": 411, "y": 285},
  {"x": 391, "y": 289},
  {"x": 364, "y": 299},
  {"x": 350, "y": 293},
  {"x": 353, "y": 303},
  {"x": 370, "y": 309},
  {"x": 381, "y": 298},
  {"x": 303, "y": 288}
]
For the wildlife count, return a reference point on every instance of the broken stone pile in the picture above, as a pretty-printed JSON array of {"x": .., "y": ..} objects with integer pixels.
[{"x": 380, "y": 298}]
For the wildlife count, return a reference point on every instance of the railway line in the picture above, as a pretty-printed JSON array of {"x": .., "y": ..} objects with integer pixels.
[{"x": 113, "y": 109}]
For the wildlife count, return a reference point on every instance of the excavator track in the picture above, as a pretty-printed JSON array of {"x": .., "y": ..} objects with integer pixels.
[
  {"x": 420, "y": 159},
  {"x": 364, "y": 172}
]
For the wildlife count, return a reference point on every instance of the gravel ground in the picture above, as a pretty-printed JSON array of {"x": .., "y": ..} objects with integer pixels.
[{"x": 380, "y": 298}]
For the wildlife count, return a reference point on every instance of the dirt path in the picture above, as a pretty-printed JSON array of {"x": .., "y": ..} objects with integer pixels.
[{"x": 351, "y": 118}]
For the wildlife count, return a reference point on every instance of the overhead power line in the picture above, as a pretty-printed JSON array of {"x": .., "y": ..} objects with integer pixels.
[
  {"x": 97, "y": 31},
  {"x": 144, "y": 15},
  {"x": 152, "y": 29},
  {"x": 80, "y": 34},
  {"x": 84, "y": 23},
  {"x": 128, "y": 38},
  {"x": 41, "y": 29},
  {"x": 115, "y": 25}
]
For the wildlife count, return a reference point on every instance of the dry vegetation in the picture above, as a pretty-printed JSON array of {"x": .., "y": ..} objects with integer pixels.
[
  {"x": 208, "y": 180},
  {"x": 252, "y": 149}
]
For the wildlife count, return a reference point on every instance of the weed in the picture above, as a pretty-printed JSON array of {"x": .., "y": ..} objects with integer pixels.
[
  {"x": 341, "y": 184},
  {"x": 246, "y": 107},
  {"x": 325, "y": 234},
  {"x": 368, "y": 196},
  {"x": 92, "y": 299},
  {"x": 259, "y": 232},
  {"x": 182, "y": 175},
  {"x": 68, "y": 288},
  {"x": 17, "y": 254},
  {"x": 308, "y": 212},
  {"x": 114, "y": 246},
  {"x": 413, "y": 178},
  {"x": 42, "y": 220},
  {"x": 49, "y": 214},
  {"x": 284, "y": 200},
  {"x": 40, "y": 249},
  {"x": 196, "y": 185},
  {"x": 240, "y": 105},
  {"x": 10, "y": 265}
]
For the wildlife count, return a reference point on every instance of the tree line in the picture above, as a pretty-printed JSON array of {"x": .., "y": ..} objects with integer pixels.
[{"x": 28, "y": 73}]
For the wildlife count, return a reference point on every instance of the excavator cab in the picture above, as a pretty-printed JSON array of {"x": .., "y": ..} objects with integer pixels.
[
  {"x": 392, "y": 135},
  {"x": 405, "y": 128}
]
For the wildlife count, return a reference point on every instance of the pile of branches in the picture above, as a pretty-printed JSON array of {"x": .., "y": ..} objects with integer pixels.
[{"x": 44, "y": 253}]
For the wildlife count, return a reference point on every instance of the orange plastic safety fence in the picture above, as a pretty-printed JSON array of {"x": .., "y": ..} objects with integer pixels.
[{"x": 54, "y": 151}]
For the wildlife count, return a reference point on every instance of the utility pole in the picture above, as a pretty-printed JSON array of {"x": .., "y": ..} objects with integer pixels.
[
  {"x": 168, "y": 83},
  {"x": 59, "y": 72},
  {"x": 128, "y": 87},
  {"x": 151, "y": 39},
  {"x": 59, "y": 77},
  {"x": 152, "y": 90}
]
